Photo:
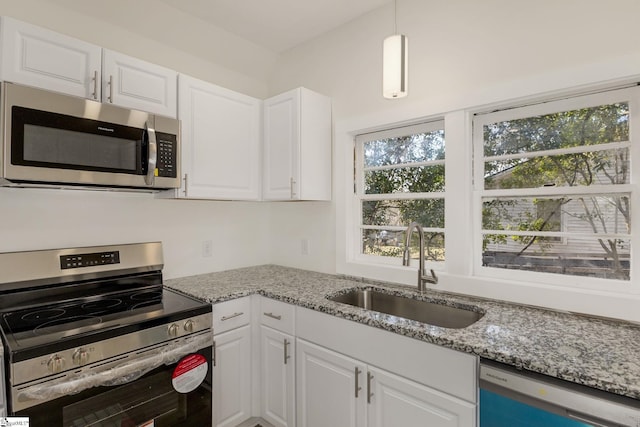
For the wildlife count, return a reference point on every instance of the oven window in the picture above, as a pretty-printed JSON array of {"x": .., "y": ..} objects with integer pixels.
[
  {"x": 139, "y": 403},
  {"x": 150, "y": 400}
]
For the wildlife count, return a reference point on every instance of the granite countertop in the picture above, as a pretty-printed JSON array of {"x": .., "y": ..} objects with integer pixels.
[{"x": 599, "y": 353}]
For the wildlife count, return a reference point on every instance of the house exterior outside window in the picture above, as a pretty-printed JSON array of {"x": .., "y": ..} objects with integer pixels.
[
  {"x": 399, "y": 178},
  {"x": 554, "y": 186}
]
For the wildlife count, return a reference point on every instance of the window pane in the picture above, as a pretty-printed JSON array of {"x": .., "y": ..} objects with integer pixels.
[
  {"x": 608, "y": 167},
  {"x": 419, "y": 147},
  {"x": 390, "y": 243},
  {"x": 422, "y": 179},
  {"x": 587, "y": 126},
  {"x": 592, "y": 257},
  {"x": 596, "y": 214},
  {"x": 427, "y": 212}
]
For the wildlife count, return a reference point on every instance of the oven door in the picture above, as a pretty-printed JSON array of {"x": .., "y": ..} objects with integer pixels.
[{"x": 174, "y": 394}]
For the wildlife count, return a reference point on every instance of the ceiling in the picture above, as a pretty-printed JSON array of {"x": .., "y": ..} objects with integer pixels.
[{"x": 277, "y": 25}]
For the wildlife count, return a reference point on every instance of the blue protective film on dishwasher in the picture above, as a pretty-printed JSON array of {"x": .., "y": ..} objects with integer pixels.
[{"x": 500, "y": 411}]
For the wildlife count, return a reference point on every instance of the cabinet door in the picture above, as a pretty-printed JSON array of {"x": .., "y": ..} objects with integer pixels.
[
  {"x": 330, "y": 388},
  {"x": 42, "y": 58},
  {"x": 397, "y": 401},
  {"x": 220, "y": 141},
  {"x": 278, "y": 377},
  {"x": 132, "y": 83},
  {"x": 232, "y": 377},
  {"x": 281, "y": 146},
  {"x": 297, "y": 146}
]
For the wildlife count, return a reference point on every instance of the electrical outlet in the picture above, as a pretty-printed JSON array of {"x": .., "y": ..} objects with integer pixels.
[
  {"x": 207, "y": 248},
  {"x": 305, "y": 246}
]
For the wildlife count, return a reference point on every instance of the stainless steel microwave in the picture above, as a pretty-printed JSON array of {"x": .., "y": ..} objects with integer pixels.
[{"x": 52, "y": 139}]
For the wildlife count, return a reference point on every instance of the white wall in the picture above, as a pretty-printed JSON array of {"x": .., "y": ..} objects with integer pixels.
[
  {"x": 46, "y": 219},
  {"x": 459, "y": 50}
]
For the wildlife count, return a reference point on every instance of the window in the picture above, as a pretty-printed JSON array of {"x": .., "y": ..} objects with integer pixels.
[
  {"x": 554, "y": 186},
  {"x": 400, "y": 179}
]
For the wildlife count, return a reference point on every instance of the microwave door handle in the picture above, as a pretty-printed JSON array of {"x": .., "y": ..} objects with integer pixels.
[{"x": 152, "y": 154}]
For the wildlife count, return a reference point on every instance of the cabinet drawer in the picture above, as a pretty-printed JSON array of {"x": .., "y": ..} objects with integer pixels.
[
  {"x": 277, "y": 315},
  {"x": 231, "y": 314}
]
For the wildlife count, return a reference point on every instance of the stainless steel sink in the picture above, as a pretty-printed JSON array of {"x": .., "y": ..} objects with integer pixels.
[{"x": 409, "y": 308}]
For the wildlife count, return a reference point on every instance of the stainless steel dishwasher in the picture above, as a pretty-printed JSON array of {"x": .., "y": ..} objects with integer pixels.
[{"x": 509, "y": 397}]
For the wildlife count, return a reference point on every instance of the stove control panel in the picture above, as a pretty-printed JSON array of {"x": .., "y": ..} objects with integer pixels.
[
  {"x": 89, "y": 260},
  {"x": 86, "y": 357}
]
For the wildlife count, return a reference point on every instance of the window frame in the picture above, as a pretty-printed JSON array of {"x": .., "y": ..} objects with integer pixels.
[
  {"x": 359, "y": 196},
  {"x": 631, "y": 95}
]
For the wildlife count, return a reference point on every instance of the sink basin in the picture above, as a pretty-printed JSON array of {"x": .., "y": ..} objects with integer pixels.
[{"x": 422, "y": 311}]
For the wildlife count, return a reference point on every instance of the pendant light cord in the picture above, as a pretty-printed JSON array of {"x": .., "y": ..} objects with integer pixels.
[{"x": 395, "y": 16}]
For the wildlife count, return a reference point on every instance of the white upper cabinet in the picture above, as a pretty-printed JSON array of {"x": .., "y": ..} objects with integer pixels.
[
  {"x": 132, "y": 83},
  {"x": 38, "y": 57},
  {"x": 297, "y": 146},
  {"x": 42, "y": 58},
  {"x": 220, "y": 142}
]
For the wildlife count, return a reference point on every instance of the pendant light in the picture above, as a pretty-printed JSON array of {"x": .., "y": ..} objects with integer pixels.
[{"x": 395, "y": 62}]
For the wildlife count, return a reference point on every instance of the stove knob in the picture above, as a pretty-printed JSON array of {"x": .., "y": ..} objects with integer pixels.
[
  {"x": 173, "y": 330},
  {"x": 189, "y": 325},
  {"x": 55, "y": 364},
  {"x": 80, "y": 357}
]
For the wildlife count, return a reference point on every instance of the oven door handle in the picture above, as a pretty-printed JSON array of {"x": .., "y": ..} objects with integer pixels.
[{"x": 121, "y": 373}]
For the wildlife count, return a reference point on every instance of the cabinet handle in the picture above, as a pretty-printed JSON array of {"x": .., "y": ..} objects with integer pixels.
[
  {"x": 357, "y": 375},
  {"x": 231, "y": 316},
  {"x": 95, "y": 85},
  {"x": 110, "y": 98},
  {"x": 292, "y": 183},
  {"x": 273, "y": 316},
  {"x": 214, "y": 353},
  {"x": 185, "y": 185},
  {"x": 286, "y": 347},
  {"x": 369, "y": 393}
]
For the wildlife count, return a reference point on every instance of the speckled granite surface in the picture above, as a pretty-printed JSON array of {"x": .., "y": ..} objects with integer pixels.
[{"x": 598, "y": 353}]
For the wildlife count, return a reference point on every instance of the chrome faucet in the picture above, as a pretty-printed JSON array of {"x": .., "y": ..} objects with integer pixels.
[{"x": 423, "y": 278}]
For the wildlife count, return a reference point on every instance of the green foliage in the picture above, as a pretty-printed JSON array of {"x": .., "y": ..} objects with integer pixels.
[{"x": 584, "y": 127}]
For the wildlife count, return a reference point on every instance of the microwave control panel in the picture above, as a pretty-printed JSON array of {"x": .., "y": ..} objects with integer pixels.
[{"x": 167, "y": 154}]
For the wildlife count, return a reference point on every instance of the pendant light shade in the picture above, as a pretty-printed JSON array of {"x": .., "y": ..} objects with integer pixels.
[{"x": 395, "y": 70}]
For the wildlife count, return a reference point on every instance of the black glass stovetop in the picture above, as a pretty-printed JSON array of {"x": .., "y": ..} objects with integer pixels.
[{"x": 91, "y": 312}]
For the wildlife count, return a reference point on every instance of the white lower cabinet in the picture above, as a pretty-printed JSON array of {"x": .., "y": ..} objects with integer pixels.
[
  {"x": 336, "y": 390},
  {"x": 293, "y": 366},
  {"x": 329, "y": 388},
  {"x": 395, "y": 401},
  {"x": 277, "y": 351},
  {"x": 350, "y": 374},
  {"x": 232, "y": 380}
]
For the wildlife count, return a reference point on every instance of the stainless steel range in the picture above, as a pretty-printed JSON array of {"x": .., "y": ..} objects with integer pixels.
[{"x": 92, "y": 338}]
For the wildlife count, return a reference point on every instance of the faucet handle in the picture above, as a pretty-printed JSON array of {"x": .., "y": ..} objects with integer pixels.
[
  {"x": 433, "y": 279},
  {"x": 406, "y": 256}
]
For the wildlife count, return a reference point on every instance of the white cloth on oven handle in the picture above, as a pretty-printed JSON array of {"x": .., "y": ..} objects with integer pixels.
[{"x": 120, "y": 374}]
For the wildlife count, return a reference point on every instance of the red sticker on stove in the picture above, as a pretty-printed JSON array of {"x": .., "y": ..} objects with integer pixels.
[{"x": 189, "y": 373}]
